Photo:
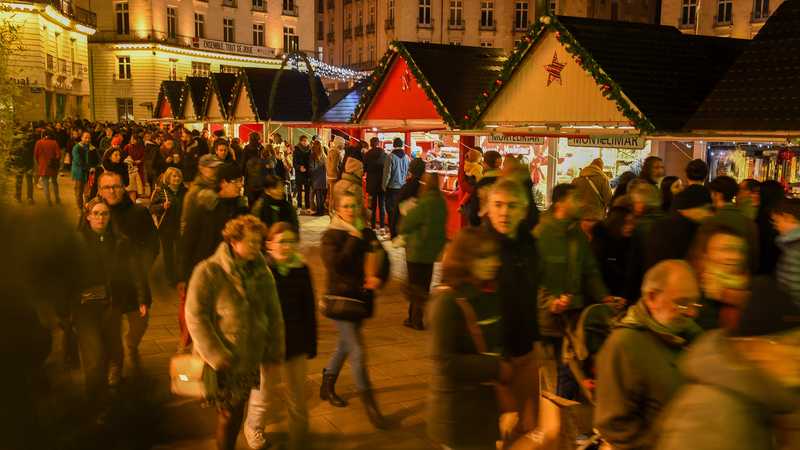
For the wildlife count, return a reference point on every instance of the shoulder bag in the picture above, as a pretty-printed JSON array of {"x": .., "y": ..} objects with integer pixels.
[
  {"x": 338, "y": 307},
  {"x": 191, "y": 377}
]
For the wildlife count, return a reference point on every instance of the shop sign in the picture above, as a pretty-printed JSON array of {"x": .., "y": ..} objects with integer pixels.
[
  {"x": 618, "y": 141},
  {"x": 232, "y": 47},
  {"x": 525, "y": 140}
]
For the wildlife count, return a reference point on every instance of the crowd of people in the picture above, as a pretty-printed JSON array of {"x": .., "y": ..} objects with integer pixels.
[{"x": 662, "y": 302}]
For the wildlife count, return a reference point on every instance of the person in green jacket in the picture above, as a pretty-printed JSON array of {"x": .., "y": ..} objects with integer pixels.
[
  {"x": 468, "y": 354},
  {"x": 424, "y": 228},
  {"x": 724, "y": 190},
  {"x": 637, "y": 371}
]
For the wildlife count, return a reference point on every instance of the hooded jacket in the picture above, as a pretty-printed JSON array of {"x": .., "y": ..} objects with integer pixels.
[
  {"x": 728, "y": 403},
  {"x": 593, "y": 188},
  {"x": 398, "y": 169},
  {"x": 332, "y": 165}
]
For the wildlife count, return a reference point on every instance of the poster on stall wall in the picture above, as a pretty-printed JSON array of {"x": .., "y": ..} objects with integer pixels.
[{"x": 619, "y": 141}]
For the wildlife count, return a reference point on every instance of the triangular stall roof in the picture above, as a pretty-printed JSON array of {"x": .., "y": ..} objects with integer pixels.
[
  {"x": 219, "y": 95},
  {"x": 760, "y": 93},
  {"x": 342, "y": 108},
  {"x": 293, "y": 100},
  {"x": 426, "y": 86},
  {"x": 590, "y": 75},
  {"x": 194, "y": 107},
  {"x": 169, "y": 104}
]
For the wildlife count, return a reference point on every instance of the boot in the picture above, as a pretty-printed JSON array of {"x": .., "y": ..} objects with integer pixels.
[
  {"x": 375, "y": 416},
  {"x": 327, "y": 390}
]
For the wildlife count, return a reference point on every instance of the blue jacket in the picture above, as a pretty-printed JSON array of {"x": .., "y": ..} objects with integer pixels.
[
  {"x": 398, "y": 169},
  {"x": 788, "y": 269},
  {"x": 83, "y": 159}
]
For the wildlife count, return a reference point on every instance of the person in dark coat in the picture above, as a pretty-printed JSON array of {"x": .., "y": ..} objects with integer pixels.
[
  {"x": 319, "y": 184},
  {"x": 272, "y": 207},
  {"x": 296, "y": 295},
  {"x": 416, "y": 170},
  {"x": 253, "y": 149},
  {"x": 136, "y": 223},
  {"x": 206, "y": 210},
  {"x": 190, "y": 155},
  {"x": 256, "y": 171},
  {"x": 374, "y": 163},
  {"x": 151, "y": 146},
  {"x": 611, "y": 247},
  {"x": 670, "y": 186},
  {"x": 112, "y": 162},
  {"x": 475, "y": 206},
  {"x": 771, "y": 193},
  {"x": 622, "y": 185},
  {"x": 301, "y": 159},
  {"x": 349, "y": 253},
  {"x": 463, "y": 407},
  {"x": 22, "y": 163},
  {"x": 167, "y": 205},
  {"x": 111, "y": 283},
  {"x": 671, "y": 237}
]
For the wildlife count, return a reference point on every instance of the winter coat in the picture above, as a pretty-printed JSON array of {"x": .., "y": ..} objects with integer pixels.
[
  {"x": 597, "y": 197},
  {"x": 517, "y": 283},
  {"x": 611, "y": 253},
  {"x": 637, "y": 375},
  {"x": 111, "y": 261},
  {"x": 398, "y": 169},
  {"x": 374, "y": 161},
  {"x": 171, "y": 223},
  {"x": 769, "y": 252},
  {"x": 84, "y": 157},
  {"x": 463, "y": 409},
  {"x": 272, "y": 211},
  {"x": 302, "y": 159},
  {"x": 670, "y": 238},
  {"x": 296, "y": 295},
  {"x": 190, "y": 156},
  {"x": 233, "y": 313},
  {"x": 333, "y": 164},
  {"x": 135, "y": 222},
  {"x": 726, "y": 404},
  {"x": 21, "y": 157},
  {"x": 137, "y": 153},
  {"x": 119, "y": 168},
  {"x": 733, "y": 217},
  {"x": 150, "y": 155},
  {"x": 343, "y": 256},
  {"x": 637, "y": 262},
  {"x": 425, "y": 228},
  {"x": 318, "y": 174},
  {"x": 256, "y": 171},
  {"x": 477, "y": 200},
  {"x": 788, "y": 269},
  {"x": 203, "y": 218},
  {"x": 250, "y": 151},
  {"x": 568, "y": 266},
  {"x": 48, "y": 157}
]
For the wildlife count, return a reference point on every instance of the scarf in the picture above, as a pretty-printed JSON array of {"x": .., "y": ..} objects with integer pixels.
[
  {"x": 295, "y": 261},
  {"x": 676, "y": 335},
  {"x": 337, "y": 223}
]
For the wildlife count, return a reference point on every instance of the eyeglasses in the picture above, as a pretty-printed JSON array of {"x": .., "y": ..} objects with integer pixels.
[
  {"x": 113, "y": 187},
  {"x": 688, "y": 306}
]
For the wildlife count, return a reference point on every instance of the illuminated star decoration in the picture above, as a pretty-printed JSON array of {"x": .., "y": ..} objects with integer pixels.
[
  {"x": 405, "y": 81},
  {"x": 554, "y": 70}
]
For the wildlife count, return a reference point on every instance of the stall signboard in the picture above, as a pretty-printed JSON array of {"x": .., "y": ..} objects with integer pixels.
[
  {"x": 619, "y": 141},
  {"x": 231, "y": 47},
  {"x": 525, "y": 140}
]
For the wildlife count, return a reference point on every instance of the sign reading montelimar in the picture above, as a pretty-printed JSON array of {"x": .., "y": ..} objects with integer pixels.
[
  {"x": 528, "y": 140},
  {"x": 619, "y": 141},
  {"x": 232, "y": 47}
]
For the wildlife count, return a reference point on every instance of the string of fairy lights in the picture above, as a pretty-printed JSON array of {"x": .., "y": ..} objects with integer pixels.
[{"x": 325, "y": 70}]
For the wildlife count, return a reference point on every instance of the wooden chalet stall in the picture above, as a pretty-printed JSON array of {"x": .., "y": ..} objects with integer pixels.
[
  {"x": 194, "y": 107},
  {"x": 420, "y": 90},
  {"x": 169, "y": 104},
  {"x": 576, "y": 89},
  {"x": 749, "y": 126},
  {"x": 218, "y": 95}
]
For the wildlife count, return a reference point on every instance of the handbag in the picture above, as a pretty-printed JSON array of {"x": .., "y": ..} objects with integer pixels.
[
  {"x": 191, "y": 377},
  {"x": 95, "y": 294},
  {"x": 338, "y": 307}
]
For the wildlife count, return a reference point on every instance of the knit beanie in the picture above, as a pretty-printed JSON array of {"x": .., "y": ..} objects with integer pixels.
[
  {"x": 693, "y": 196},
  {"x": 770, "y": 310}
]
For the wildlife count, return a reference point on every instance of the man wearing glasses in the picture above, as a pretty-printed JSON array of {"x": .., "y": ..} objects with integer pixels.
[{"x": 637, "y": 372}]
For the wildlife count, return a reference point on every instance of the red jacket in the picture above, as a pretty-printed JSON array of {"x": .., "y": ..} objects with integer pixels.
[{"x": 45, "y": 151}]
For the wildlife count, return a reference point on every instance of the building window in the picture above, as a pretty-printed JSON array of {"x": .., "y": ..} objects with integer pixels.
[
  {"x": 371, "y": 55},
  {"x": 259, "y": 5},
  {"x": 124, "y": 109},
  {"x": 424, "y": 17},
  {"x": 390, "y": 10},
  {"x": 348, "y": 19},
  {"x": 201, "y": 69},
  {"x": 172, "y": 23},
  {"x": 456, "y": 12},
  {"x": 124, "y": 67},
  {"x": 288, "y": 5},
  {"x": 724, "y": 11},
  {"x": 521, "y": 15},
  {"x": 486, "y": 44},
  {"x": 228, "y": 31},
  {"x": 760, "y": 9},
  {"x": 123, "y": 18},
  {"x": 320, "y": 54},
  {"x": 199, "y": 25},
  {"x": 360, "y": 18},
  {"x": 173, "y": 69},
  {"x": 371, "y": 18},
  {"x": 552, "y": 5},
  {"x": 487, "y": 14},
  {"x": 228, "y": 69},
  {"x": 258, "y": 34},
  {"x": 291, "y": 41},
  {"x": 688, "y": 12}
]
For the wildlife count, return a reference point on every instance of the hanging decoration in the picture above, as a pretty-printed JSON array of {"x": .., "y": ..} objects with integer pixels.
[
  {"x": 324, "y": 70},
  {"x": 554, "y": 70},
  {"x": 609, "y": 87},
  {"x": 405, "y": 81}
]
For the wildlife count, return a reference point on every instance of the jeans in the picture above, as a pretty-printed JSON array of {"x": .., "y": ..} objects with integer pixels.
[
  {"x": 303, "y": 188},
  {"x": 28, "y": 176},
  {"x": 137, "y": 326},
  {"x": 377, "y": 205},
  {"x": 556, "y": 376},
  {"x": 266, "y": 401},
  {"x": 79, "y": 186},
  {"x": 393, "y": 209},
  {"x": 319, "y": 201},
  {"x": 47, "y": 181},
  {"x": 350, "y": 343},
  {"x": 417, "y": 290},
  {"x": 99, "y": 340},
  {"x": 229, "y": 422}
]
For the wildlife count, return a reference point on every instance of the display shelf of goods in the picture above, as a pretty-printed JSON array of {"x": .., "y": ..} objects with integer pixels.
[{"x": 445, "y": 162}]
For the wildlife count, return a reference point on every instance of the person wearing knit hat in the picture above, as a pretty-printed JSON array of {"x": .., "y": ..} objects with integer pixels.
[
  {"x": 747, "y": 380},
  {"x": 672, "y": 236}
]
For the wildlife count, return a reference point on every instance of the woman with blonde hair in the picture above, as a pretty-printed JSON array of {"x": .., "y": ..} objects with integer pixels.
[{"x": 166, "y": 206}]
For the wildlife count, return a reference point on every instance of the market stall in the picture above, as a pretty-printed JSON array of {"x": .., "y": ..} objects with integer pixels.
[
  {"x": 218, "y": 95},
  {"x": 194, "y": 108},
  {"x": 169, "y": 104}
]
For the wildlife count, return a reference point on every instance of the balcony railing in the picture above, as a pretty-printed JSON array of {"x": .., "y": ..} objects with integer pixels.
[
  {"x": 77, "y": 13},
  {"x": 371, "y": 28},
  {"x": 50, "y": 64},
  {"x": 359, "y": 30},
  {"x": 290, "y": 10},
  {"x": 389, "y": 25},
  {"x": 331, "y": 36},
  {"x": 348, "y": 33}
]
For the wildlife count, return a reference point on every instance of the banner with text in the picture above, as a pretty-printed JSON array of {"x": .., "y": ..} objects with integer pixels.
[
  {"x": 620, "y": 141},
  {"x": 524, "y": 140}
]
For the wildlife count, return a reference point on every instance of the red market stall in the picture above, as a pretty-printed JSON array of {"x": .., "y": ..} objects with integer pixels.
[
  {"x": 419, "y": 90},
  {"x": 170, "y": 101}
]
